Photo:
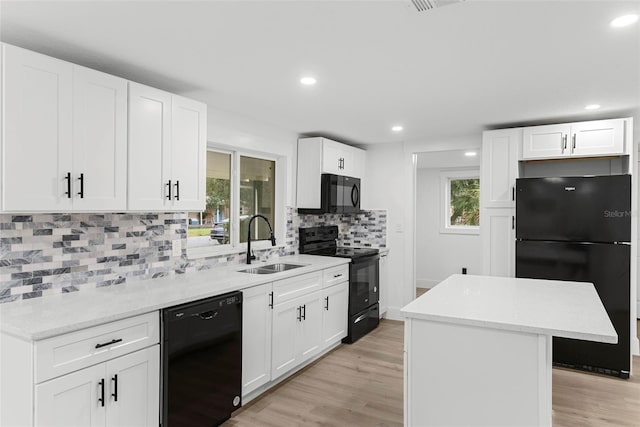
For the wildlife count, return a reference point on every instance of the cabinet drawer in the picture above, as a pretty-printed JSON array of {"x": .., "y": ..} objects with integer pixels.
[
  {"x": 335, "y": 275},
  {"x": 76, "y": 350},
  {"x": 287, "y": 289}
]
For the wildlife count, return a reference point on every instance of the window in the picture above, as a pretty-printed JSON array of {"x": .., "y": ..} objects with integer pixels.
[
  {"x": 238, "y": 186},
  {"x": 461, "y": 202}
]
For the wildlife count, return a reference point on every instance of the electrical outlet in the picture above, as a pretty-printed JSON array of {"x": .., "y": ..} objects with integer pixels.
[{"x": 176, "y": 248}]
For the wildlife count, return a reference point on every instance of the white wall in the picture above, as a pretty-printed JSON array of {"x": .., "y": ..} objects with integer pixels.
[
  {"x": 390, "y": 184},
  {"x": 382, "y": 188},
  {"x": 438, "y": 255},
  {"x": 240, "y": 132}
]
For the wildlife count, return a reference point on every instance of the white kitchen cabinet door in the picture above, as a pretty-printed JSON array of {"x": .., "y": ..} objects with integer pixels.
[
  {"x": 333, "y": 157},
  {"x": 188, "y": 153},
  {"x": 286, "y": 320},
  {"x": 546, "y": 142},
  {"x": 133, "y": 389},
  {"x": 149, "y": 186},
  {"x": 334, "y": 314},
  {"x": 309, "y": 341},
  {"x": 37, "y": 140},
  {"x": 357, "y": 168},
  {"x": 257, "y": 304},
  {"x": 99, "y": 141},
  {"x": 498, "y": 242},
  {"x": 72, "y": 400},
  {"x": 499, "y": 167},
  {"x": 598, "y": 138}
]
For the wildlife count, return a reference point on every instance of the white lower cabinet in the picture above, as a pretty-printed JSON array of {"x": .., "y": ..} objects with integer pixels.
[
  {"x": 121, "y": 392},
  {"x": 290, "y": 322},
  {"x": 71, "y": 400},
  {"x": 106, "y": 375},
  {"x": 256, "y": 337},
  {"x": 335, "y": 313},
  {"x": 297, "y": 332},
  {"x": 498, "y": 242}
]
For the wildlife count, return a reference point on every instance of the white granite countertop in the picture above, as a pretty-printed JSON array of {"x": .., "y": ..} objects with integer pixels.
[
  {"x": 45, "y": 317},
  {"x": 548, "y": 307}
]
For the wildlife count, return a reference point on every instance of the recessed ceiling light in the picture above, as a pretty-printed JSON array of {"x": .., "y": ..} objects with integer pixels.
[
  {"x": 623, "y": 21},
  {"x": 397, "y": 128},
  {"x": 470, "y": 153},
  {"x": 308, "y": 81},
  {"x": 592, "y": 107}
]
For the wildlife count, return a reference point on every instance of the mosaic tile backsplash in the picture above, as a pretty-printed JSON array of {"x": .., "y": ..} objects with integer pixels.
[{"x": 43, "y": 254}]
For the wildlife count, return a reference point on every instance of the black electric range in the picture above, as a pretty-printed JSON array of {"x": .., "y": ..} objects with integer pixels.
[{"x": 364, "y": 276}]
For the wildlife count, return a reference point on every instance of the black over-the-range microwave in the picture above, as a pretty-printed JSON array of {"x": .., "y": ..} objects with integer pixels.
[{"x": 338, "y": 194}]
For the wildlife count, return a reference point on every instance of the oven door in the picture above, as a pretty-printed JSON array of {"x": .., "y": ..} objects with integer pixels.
[{"x": 364, "y": 275}]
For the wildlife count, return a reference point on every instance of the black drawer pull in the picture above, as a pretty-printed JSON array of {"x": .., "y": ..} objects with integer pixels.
[
  {"x": 81, "y": 179},
  {"x": 101, "y": 398},
  {"x": 115, "y": 387},
  {"x": 68, "y": 178},
  {"x": 108, "y": 343},
  {"x": 168, "y": 184}
]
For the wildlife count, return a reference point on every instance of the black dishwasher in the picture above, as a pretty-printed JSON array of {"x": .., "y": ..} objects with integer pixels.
[{"x": 202, "y": 361}]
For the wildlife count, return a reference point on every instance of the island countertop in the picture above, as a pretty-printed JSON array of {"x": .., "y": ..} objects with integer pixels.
[{"x": 547, "y": 307}]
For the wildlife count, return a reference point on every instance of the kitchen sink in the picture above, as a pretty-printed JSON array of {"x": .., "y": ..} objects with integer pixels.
[{"x": 271, "y": 268}]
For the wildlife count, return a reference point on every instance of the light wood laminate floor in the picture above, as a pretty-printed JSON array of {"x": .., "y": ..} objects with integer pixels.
[{"x": 361, "y": 385}]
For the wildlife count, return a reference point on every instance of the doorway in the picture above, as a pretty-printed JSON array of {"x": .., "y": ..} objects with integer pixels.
[{"x": 447, "y": 223}]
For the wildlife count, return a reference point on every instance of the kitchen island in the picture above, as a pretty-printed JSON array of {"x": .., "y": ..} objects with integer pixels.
[{"x": 478, "y": 349}]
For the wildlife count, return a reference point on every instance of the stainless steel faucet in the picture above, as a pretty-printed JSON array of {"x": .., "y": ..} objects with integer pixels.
[{"x": 273, "y": 239}]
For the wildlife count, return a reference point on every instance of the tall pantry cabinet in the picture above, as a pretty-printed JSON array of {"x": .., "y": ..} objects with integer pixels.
[{"x": 500, "y": 152}]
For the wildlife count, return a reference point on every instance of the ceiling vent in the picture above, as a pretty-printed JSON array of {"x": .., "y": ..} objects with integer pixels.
[{"x": 424, "y": 5}]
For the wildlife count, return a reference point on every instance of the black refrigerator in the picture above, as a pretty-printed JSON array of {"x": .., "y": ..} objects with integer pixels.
[{"x": 579, "y": 229}]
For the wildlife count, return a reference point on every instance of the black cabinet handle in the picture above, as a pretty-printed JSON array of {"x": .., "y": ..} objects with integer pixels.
[
  {"x": 115, "y": 387},
  {"x": 304, "y": 312},
  {"x": 326, "y": 307},
  {"x": 101, "y": 398},
  {"x": 177, "y": 196},
  {"x": 81, "y": 179},
  {"x": 513, "y": 193},
  {"x": 299, "y": 309},
  {"x": 168, "y": 184},
  {"x": 68, "y": 178},
  {"x": 108, "y": 343},
  {"x": 271, "y": 300},
  {"x": 513, "y": 222}
]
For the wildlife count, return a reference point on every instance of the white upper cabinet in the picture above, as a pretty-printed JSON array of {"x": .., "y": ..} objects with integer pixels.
[
  {"x": 65, "y": 145},
  {"x": 499, "y": 167},
  {"x": 167, "y": 149},
  {"x": 99, "y": 140},
  {"x": 149, "y": 133},
  {"x": 37, "y": 120},
  {"x": 581, "y": 139},
  {"x": 65, "y": 136},
  {"x": 317, "y": 156},
  {"x": 188, "y": 152}
]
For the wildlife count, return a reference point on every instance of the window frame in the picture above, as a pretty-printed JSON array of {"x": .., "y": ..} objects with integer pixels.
[
  {"x": 234, "y": 246},
  {"x": 446, "y": 176}
]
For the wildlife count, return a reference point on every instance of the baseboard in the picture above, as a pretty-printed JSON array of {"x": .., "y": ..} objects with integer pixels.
[
  {"x": 394, "y": 313},
  {"x": 426, "y": 283}
]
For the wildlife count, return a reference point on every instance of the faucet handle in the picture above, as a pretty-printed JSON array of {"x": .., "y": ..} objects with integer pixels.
[{"x": 252, "y": 256}]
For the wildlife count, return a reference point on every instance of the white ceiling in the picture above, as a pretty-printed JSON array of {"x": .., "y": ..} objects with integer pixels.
[{"x": 450, "y": 71}]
